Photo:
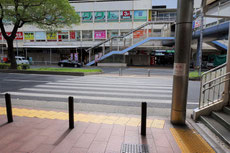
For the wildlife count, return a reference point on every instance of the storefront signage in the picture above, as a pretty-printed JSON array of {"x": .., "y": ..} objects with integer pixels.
[
  {"x": 126, "y": 15},
  {"x": 40, "y": 35},
  {"x": 87, "y": 17},
  {"x": 29, "y": 35},
  {"x": 72, "y": 35},
  {"x": 100, "y": 34},
  {"x": 51, "y": 36},
  {"x": 19, "y": 35},
  {"x": 113, "y": 16},
  {"x": 1, "y": 36},
  {"x": 99, "y": 17},
  {"x": 140, "y": 15}
]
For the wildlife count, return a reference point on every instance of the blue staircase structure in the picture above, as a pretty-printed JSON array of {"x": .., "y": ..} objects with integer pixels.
[
  {"x": 130, "y": 48},
  {"x": 220, "y": 45}
]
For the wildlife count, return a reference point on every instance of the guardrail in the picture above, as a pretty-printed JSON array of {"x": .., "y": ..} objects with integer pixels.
[{"x": 212, "y": 85}]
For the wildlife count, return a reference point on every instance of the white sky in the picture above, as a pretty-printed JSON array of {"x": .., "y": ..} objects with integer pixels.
[{"x": 168, "y": 3}]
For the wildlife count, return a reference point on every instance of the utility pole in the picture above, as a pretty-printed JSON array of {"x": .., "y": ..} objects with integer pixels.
[
  {"x": 181, "y": 61},
  {"x": 200, "y": 47}
]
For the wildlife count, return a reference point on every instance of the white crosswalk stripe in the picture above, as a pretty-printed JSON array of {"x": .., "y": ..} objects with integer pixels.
[{"x": 99, "y": 89}]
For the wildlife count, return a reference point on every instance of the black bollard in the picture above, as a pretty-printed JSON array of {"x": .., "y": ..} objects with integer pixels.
[
  {"x": 71, "y": 113},
  {"x": 8, "y": 108},
  {"x": 143, "y": 118}
]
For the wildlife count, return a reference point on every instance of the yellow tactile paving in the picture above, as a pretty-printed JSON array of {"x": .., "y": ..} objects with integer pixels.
[
  {"x": 190, "y": 141},
  {"x": 83, "y": 117},
  {"x": 158, "y": 124}
]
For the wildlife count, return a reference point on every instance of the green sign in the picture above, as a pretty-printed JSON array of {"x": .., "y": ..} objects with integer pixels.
[
  {"x": 87, "y": 17},
  {"x": 113, "y": 16},
  {"x": 140, "y": 15},
  {"x": 99, "y": 17}
]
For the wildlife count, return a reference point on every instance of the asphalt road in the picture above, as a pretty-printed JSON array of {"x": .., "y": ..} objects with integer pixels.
[{"x": 108, "y": 90}]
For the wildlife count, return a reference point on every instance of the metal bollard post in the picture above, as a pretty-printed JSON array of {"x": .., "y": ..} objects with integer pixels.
[
  {"x": 148, "y": 72},
  {"x": 71, "y": 113},
  {"x": 143, "y": 118},
  {"x": 8, "y": 108},
  {"x": 120, "y": 72}
]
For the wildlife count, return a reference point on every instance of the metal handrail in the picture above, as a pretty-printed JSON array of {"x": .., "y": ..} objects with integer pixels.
[
  {"x": 216, "y": 78},
  {"x": 132, "y": 31},
  {"x": 214, "y": 69}
]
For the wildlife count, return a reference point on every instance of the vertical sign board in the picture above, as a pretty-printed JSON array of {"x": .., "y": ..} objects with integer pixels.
[
  {"x": 140, "y": 15},
  {"x": 99, "y": 16},
  {"x": 99, "y": 34},
  {"x": 72, "y": 35},
  {"x": 76, "y": 57},
  {"x": 113, "y": 16},
  {"x": 126, "y": 15},
  {"x": 1, "y": 36}
]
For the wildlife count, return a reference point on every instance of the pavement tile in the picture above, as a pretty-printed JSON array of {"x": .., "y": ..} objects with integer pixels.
[
  {"x": 78, "y": 150},
  {"x": 164, "y": 149},
  {"x": 85, "y": 141},
  {"x": 114, "y": 144},
  {"x": 32, "y": 144},
  {"x": 93, "y": 128},
  {"x": 97, "y": 147},
  {"x": 44, "y": 148},
  {"x": 118, "y": 130},
  {"x": 104, "y": 133},
  {"x": 10, "y": 147},
  {"x": 63, "y": 147},
  {"x": 161, "y": 140},
  {"x": 131, "y": 139}
]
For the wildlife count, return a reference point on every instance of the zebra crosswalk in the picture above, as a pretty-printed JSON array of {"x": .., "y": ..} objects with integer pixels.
[{"x": 119, "y": 91}]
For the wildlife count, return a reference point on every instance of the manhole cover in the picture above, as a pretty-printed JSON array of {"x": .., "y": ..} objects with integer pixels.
[{"x": 134, "y": 148}]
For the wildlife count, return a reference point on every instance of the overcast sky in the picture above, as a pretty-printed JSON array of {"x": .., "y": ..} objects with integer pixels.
[{"x": 169, "y": 3}]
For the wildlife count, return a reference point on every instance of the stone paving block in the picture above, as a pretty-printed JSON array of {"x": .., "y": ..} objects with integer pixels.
[
  {"x": 44, "y": 148},
  {"x": 93, "y": 128},
  {"x": 97, "y": 147},
  {"x": 78, "y": 150},
  {"x": 85, "y": 141}
]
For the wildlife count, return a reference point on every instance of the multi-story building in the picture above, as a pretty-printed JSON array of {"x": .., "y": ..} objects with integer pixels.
[{"x": 100, "y": 20}]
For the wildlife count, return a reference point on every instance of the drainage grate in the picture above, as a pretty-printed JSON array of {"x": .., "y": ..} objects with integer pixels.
[{"x": 134, "y": 148}]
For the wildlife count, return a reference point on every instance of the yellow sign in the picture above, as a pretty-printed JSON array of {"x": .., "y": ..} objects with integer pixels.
[
  {"x": 51, "y": 36},
  {"x": 29, "y": 36}
]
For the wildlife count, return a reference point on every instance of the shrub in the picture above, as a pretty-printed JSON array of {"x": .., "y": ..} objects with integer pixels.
[{"x": 20, "y": 66}]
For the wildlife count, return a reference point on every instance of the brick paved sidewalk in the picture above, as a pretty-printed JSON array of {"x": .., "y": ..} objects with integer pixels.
[{"x": 40, "y": 131}]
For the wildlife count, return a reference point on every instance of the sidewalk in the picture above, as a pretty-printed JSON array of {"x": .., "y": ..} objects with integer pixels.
[{"x": 42, "y": 131}]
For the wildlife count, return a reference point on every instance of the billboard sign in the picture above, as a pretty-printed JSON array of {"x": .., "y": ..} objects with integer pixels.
[
  {"x": 99, "y": 34},
  {"x": 113, "y": 16},
  {"x": 28, "y": 35},
  {"x": 87, "y": 17},
  {"x": 99, "y": 17},
  {"x": 126, "y": 15},
  {"x": 140, "y": 15}
]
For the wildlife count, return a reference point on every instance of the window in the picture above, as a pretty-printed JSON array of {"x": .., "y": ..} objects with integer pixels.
[
  {"x": 63, "y": 35},
  {"x": 87, "y": 35}
]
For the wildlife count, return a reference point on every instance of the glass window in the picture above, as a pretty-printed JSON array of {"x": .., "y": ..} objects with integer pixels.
[
  {"x": 87, "y": 35},
  {"x": 112, "y": 33},
  {"x": 140, "y": 15},
  {"x": 63, "y": 35}
]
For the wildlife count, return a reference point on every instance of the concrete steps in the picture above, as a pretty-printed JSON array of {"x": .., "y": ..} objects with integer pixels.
[{"x": 219, "y": 123}]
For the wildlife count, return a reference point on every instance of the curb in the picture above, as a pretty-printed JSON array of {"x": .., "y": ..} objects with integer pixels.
[{"x": 50, "y": 72}]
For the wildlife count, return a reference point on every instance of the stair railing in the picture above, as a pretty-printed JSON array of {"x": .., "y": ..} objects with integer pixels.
[
  {"x": 212, "y": 86},
  {"x": 118, "y": 43}
]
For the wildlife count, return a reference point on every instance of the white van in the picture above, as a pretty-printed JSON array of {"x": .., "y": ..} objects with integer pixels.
[{"x": 21, "y": 60}]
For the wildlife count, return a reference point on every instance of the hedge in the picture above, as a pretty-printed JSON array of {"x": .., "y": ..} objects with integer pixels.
[{"x": 20, "y": 66}]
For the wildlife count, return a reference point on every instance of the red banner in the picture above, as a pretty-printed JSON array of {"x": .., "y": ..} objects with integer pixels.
[
  {"x": 19, "y": 35},
  {"x": 72, "y": 35}
]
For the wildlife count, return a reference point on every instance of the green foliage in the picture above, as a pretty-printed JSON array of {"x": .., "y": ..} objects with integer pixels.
[
  {"x": 66, "y": 70},
  {"x": 194, "y": 74},
  {"x": 19, "y": 67},
  {"x": 49, "y": 14}
]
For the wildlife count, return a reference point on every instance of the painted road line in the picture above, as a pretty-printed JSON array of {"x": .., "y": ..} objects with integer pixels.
[
  {"x": 104, "y": 93},
  {"x": 116, "y": 82},
  {"x": 18, "y": 80},
  {"x": 95, "y": 98},
  {"x": 111, "y": 86},
  {"x": 106, "y": 119},
  {"x": 105, "y": 89},
  {"x": 190, "y": 141}
]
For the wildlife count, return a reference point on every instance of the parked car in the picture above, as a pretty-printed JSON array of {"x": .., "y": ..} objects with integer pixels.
[
  {"x": 21, "y": 60},
  {"x": 69, "y": 63}
]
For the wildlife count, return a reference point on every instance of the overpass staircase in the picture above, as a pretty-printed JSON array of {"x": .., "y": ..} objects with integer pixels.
[{"x": 143, "y": 35}]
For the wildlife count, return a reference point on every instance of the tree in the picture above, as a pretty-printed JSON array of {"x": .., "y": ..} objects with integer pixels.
[{"x": 46, "y": 14}]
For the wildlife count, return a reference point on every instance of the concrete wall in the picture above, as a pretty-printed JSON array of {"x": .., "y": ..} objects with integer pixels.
[{"x": 138, "y": 60}]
